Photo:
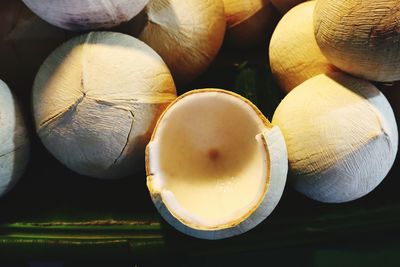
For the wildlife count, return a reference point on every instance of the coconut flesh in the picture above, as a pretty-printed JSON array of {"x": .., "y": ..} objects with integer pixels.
[
  {"x": 215, "y": 166},
  {"x": 360, "y": 38},
  {"x": 294, "y": 54},
  {"x": 96, "y": 100},
  {"x": 79, "y": 15},
  {"x": 186, "y": 34},
  {"x": 249, "y": 22},
  {"x": 341, "y": 137},
  {"x": 25, "y": 41},
  {"x": 14, "y": 141}
]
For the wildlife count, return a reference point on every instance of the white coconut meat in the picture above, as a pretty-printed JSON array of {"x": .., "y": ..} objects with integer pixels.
[
  {"x": 294, "y": 54},
  {"x": 341, "y": 137},
  {"x": 96, "y": 100},
  {"x": 360, "y": 37},
  {"x": 249, "y": 22},
  {"x": 14, "y": 140},
  {"x": 216, "y": 167},
  {"x": 78, "y": 15},
  {"x": 186, "y": 34}
]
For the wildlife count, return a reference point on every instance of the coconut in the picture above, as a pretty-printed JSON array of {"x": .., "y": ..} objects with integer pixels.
[
  {"x": 341, "y": 137},
  {"x": 249, "y": 22},
  {"x": 186, "y": 34},
  {"x": 215, "y": 166},
  {"x": 294, "y": 54},
  {"x": 285, "y": 5},
  {"x": 14, "y": 141},
  {"x": 96, "y": 100},
  {"x": 25, "y": 41},
  {"x": 78, "y": 15},
  {"x": 361, "y": 39}
]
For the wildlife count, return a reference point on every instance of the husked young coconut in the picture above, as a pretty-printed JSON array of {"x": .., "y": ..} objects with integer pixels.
[
  {"x": 341, "y": 137},
  {"x": 360, "y": 37},
  {"x": 96, "y": 100},
  {"x": 215, "y": 166},
  {"x": 186, "y": 34},
  {"x": 78, "y": 15},
  {"x": 14, "y": 141},
  {"x": 294, "y": 54},
  {"x": 25, "y": 41},
  {"x": 249, "y": 22},
  {"x": 285, "y": 5}
]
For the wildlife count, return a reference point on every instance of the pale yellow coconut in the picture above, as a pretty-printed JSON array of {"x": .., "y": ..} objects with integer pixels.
[
  {"x": 186, "y": 34},
  {"x": 249, "y": 22},
  {"x": 294, "y": 54},
  {"x": 360, "y": 37},
  {"x": 215, "y": 166},
  {"x": 96, "y": 100},
  {"x": 341, "y": 136}
]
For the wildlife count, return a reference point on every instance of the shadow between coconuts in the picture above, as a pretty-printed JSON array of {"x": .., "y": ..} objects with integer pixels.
[
  {"x": 254, "y": 31},
  {"x": 25, "y": 41}
]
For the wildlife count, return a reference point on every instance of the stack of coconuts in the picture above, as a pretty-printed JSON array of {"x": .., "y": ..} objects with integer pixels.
[{"x": 105, "y": 102}]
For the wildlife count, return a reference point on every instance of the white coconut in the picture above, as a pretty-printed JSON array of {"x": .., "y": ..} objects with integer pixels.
[
  {"x": 249, "y": 22},
  {"x": 80, "y": 15},
  {"x": 96, "y": 100},
  {"x": 285, "y": 5},
  {"x": 392, "y": 93},
  {"x": 25, "y": 41},
  {"x": 215, "y": 166},
  {"x": 14, "y": 140},
  {"x": 360, "y": 38},
  {"x": 186, "y": 34},
  {"x": 294, "y": 54},
  {"x": 341, "y": 137}
]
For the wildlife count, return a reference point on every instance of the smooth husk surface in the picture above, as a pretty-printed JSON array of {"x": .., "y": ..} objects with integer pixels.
[{"x": 294, "y": 54}]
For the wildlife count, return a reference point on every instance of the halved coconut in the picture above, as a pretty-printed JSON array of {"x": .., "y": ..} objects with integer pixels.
[{"x": 215, "y": 165}]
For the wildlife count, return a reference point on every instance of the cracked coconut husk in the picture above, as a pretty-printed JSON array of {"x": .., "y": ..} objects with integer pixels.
[{"x": 96, "y": 101}]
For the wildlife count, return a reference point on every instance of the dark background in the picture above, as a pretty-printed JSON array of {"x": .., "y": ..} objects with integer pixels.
[{"x": 54, "y": 217}]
